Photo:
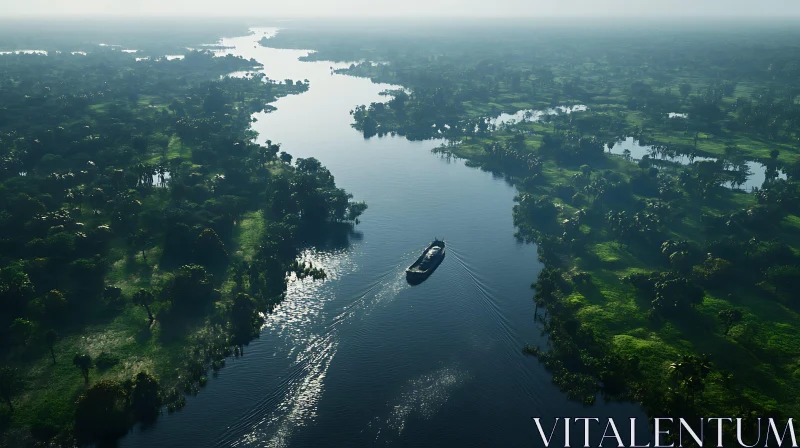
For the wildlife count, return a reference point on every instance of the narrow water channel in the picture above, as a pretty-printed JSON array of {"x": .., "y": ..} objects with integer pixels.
[{"x": 363, "y": 358}]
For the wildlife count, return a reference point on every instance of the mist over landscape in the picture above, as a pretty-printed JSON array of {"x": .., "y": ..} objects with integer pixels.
[
  {"x": 413, "y": 223},
  {"x": 408, "y": 9}
]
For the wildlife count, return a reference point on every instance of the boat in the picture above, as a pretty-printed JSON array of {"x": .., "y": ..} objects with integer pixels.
[{"x": 426, "y": 263}]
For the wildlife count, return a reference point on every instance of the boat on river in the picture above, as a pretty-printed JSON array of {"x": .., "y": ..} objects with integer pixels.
[{"x": 426, "y": 263}]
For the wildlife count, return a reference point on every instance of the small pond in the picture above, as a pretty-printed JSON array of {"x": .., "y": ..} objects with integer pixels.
[
  {"x": 752, "y": 174},
  {"x": 534, "y": 115}
]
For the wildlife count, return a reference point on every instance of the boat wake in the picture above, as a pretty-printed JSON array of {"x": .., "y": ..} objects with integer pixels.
[
  {"x": 309, "y": 305},
  {"x": 488, "y": 298},
  {"x": 512, "y": 343}
]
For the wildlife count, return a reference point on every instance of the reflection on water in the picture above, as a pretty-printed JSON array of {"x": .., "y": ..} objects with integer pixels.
[
  {"x": 242, "y": 74},
  {"x": 161, "y": 179},
  {"x": 534, "y": 115},
  {"x": 748, "y": 174},
  {"x": 311, "y": 349}
]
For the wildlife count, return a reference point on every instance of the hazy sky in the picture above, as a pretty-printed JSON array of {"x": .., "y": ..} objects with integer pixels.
[{"x": 405, "y": 8}]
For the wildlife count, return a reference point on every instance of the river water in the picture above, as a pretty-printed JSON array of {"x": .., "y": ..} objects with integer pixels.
[{"x": 363, "y": 358}]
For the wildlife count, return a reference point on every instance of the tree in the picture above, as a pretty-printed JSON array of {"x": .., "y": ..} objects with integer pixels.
[
  {"x": 139, "y": 241},
  {"x": 190, "y": 288},
  {"x": 84, "y": 363},
  {"x": 731, "y": 154},
  {"x": 245, "y": 318},
  {"x": 690, "y": 373},
  {"x": 16, "y": 288},
  {"x": 101, "y": 413},
  {"x": 729, "y": 318},
  {"x": 676, "y": 294},
  {"x": 50, "y": 337},
  {"x": 146, "y": 397},
  {"x": 717, "y": 271},
  {"x": 178, "y": 241},
  {"x": 144, "y": 298},
  {"x": 784, "y": 279},
  {"x": 681, "y": 261},
  {"x": 10, "y": 385},
  {"x": 111, "y": 293},
  {"x": 22, "y": 330},
  {"x": 53, "y": 304},
  {"x": 209, "y": 250}
]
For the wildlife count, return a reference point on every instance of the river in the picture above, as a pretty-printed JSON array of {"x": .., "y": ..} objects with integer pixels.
[{"x": 363, "y": 358}]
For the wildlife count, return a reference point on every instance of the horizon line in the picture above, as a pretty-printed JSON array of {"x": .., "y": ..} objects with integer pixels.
[{"x": 267, "y": 16}]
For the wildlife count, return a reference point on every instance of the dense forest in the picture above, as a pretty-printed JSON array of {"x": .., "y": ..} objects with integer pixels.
[
  {"x": 665, "y": 281},
  {"x": 144, "y": 233}
]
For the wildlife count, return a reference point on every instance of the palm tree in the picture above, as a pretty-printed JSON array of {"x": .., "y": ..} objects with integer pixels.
[
  {"x": 10, "y": 384},
  {"x": 730, "y": 153},
  {"x": 144, "y": 298},
  {"x": 729, "y": 318},
  {"x": 51, "y": 337},
  {"x": 84, "y": 363},
  {"x": 689, "y": 373},
  {"x": 140, "y": 240}
]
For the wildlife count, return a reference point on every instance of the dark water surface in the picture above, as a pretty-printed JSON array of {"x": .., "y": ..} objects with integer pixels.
[{"x": 363, "y": 358}]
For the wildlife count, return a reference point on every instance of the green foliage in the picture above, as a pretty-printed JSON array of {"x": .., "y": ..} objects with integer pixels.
[
  {"x": 21, "y": 330},
  {"x": 689, "y": 374},
  {"x": 729, "y": 318},
  {"x": 83, "y": 362},
  {"x": 146, "y": 397},
  {"x": 676, "y": 295},
  {"x": 144, "y": 298},
  {"x": 190, "y": 288},
  {"x": 245, "y": 319},
  {"x": 10, "y": 385},
  {"x": 101, "y": 413},
  {"x": 209, "y": 250},
  {"x": 50, "y": 337},
  {"x": 783, "y": 279}
]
